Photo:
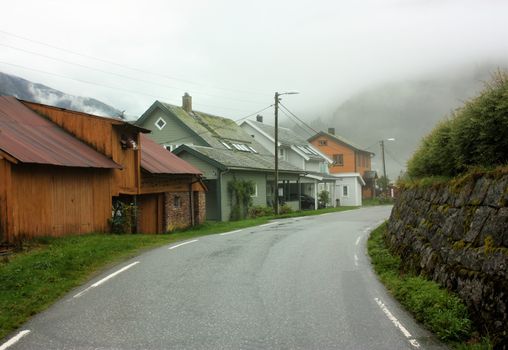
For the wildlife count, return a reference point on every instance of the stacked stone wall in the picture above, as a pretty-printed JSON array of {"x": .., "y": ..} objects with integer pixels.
[{"x": 457, "y": 234}]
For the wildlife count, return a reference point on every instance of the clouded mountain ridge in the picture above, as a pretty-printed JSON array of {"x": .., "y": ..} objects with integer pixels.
[
  {"x": 26, "y": 90},
  {"x": 404, "y": 110}
]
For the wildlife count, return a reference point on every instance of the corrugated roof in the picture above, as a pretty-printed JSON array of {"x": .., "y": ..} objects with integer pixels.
[
  {"x": 31, "y": 138},
  {"x": 157, "y": 160}
]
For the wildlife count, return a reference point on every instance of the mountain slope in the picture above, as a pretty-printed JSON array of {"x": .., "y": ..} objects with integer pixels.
[
  {"x": 29, "y": 91},
  {"x": 406, "y": 111}
]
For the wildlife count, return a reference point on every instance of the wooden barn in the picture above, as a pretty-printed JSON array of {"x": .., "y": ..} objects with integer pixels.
[{"x": 62, "y": 171}]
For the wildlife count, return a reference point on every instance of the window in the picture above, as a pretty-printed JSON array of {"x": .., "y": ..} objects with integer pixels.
[
  {"x": 338, "y": 159},
  {"x": 160, "y": 123},
  {"x": 226, "y": 145},
  {"x": 345, "y": 191},
  {"x": 171, "y": 147},
  {"x": 255, "y": 194},
  {"x": 323, "y": 142},
  {"x": 177, "y": 202},
  {"x": 241, "y": 147},
  {"x": 252, "y": 149}
]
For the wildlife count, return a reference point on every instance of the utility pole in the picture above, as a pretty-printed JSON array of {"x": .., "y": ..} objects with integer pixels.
[
  {"x": 276, "y": 192},
  {"x": 382, "y": 143},
  {"x": 276, "y": 189}
]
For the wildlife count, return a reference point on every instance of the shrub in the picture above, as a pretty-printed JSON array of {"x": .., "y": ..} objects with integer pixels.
[
  {"x": 475, "y": 135},
  {"x": 323, "y": 198},
  {"x": 241, "y": 192},
  {"x": 258, "y": 211},
  {"x": 124, "y": 218},
  {"x": 285, "y": 209}
]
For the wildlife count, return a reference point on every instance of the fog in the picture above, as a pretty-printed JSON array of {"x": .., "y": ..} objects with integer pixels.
[{"x": 231, "y": 56}]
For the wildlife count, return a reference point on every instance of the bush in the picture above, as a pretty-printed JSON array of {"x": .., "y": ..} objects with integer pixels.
[
  {"x": 285, "y": 209},
  {"x": 475, "y": 135},
  {"x": 323, "y": 199},
  {"x": 259, "y": 211}
]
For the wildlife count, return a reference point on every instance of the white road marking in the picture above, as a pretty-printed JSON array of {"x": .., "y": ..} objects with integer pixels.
[
  {"x": 358, "y": 241},
  {"x": 356, "y": 260},
  {"x": 270, "y": 223},
  {"x": 230, "y": 232},
  {"x": 397, "y": 324},
  {"x": 367, "y": 229},
  {"x": 98, "y": 283},
  {"x": 14, "y": 339},
  {"x": 181, "y": 244}
]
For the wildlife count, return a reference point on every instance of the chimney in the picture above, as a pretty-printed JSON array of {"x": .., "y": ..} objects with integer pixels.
[
  {"x": 187, "y": 102},
  {"x": 259, "y": 118},
  {"x": 331, "y": 131}
]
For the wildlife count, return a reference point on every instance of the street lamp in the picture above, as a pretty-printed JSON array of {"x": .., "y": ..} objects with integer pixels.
[
  {"x": 382, "y": 143},
  {"x": 276, "y": 192}
]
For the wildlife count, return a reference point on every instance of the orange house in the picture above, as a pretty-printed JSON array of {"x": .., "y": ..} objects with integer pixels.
[{"x": 347, "y": 157}]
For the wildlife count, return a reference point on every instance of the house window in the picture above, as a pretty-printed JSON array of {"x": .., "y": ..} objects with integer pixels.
[
  {"x": 226, "y": 145},
  {"x": 177, "y": 202},
  {"x": 338, "y": 159},
  {"x": 160, "y": 123},
  {"x": 255, "y": 194},
  {"x": 345, "y": 191},
  {"x": 323, "y": 142}
]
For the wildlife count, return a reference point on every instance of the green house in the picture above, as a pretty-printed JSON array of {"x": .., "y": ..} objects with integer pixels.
[{"x": 221, "y": 150}]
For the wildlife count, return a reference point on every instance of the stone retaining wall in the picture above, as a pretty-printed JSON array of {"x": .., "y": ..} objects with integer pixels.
[{"x": 457, "y": 234}]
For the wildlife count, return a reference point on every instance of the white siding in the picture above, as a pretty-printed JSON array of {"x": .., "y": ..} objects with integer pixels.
[{"x": 354, "y": 191}]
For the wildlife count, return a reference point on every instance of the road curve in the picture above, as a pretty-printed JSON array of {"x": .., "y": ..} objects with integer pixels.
[{"x": 300, "y": 283}]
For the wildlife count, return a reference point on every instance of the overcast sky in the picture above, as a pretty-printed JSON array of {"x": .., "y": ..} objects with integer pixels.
[{"x": 231, "y": 56}]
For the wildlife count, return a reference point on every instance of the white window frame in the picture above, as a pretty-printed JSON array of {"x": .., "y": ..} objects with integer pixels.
[
  {"x": 255, "y": 190},
  {"x": 157, "y": 123},
  {"x": 345, "y": 187}
]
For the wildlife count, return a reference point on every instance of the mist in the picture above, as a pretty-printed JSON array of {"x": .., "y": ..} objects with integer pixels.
[{"x": 232, "y": 56}]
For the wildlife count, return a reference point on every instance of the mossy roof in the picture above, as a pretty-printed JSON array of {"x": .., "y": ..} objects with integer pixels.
[
  {"x": 229, "y": 159},
  {"x": 212, "y": 129}
]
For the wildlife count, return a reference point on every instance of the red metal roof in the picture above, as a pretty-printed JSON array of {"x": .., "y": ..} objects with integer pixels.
[
  {"x": 31, "y": 138},
  {"x": 157, "y": 160}
]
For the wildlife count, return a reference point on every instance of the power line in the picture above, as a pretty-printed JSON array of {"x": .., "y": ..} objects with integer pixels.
[
  {"x": 105, "y": 86},
  {"x": 125, "y": 66},
  {"x": 121, "y": 75},
  {"x": 301, "y": 121},
  {"x": 393, "y": 158},
  {"x": 297, "y": 124}
]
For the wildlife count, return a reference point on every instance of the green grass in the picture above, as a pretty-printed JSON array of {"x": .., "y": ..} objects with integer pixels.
[
  {"x": 442, "y": 312},
  {"x": 312, "y": 212},
  {"x": 376, "y": 201},
  {"x": 48, "y": 268}
]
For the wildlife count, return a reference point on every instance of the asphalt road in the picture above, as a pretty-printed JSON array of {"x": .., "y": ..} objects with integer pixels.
[{"x": 302, "y": 283}]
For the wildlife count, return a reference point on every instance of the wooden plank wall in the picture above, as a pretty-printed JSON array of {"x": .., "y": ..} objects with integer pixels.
[
  {"x": 49, "y": 200},
  {"x": 168, "y": 183},
  {"x": 102, "y": 134},
  {"x": 151, "y": 213},
  {"x": 5, "y": 194}
]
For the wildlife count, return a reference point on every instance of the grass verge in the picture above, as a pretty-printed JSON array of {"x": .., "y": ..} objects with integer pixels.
[
  {"x": 442, "y": 312},
  {"x": 32, "y": 280}
]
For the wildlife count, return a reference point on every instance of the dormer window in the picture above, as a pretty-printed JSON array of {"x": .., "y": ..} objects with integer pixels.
[
  {"x": 160, "y": 123},
  {"x": 226, "y": 145}
]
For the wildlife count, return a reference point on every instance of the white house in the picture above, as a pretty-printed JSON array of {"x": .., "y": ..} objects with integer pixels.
[
  {"x": 348, "y": 188},
  {"x": 297, "y": 151}
]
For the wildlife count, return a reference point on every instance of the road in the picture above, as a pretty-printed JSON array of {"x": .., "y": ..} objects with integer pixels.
[{"x": 300, "y": 283}]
